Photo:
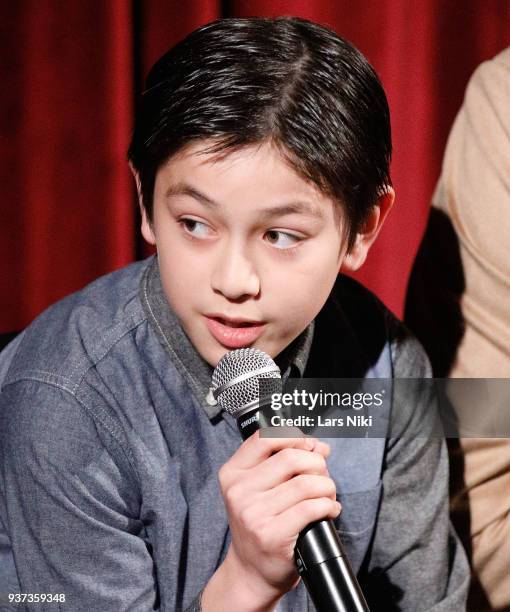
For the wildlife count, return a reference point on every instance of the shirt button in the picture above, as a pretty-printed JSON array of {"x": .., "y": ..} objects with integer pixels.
[{"x": 210, "y": 399}]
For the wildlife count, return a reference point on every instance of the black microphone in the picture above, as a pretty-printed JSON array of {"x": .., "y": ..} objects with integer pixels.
[{"x": 319, "y": 555}]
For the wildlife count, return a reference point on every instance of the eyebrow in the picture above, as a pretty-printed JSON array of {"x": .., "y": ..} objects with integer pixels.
[{"x": 297, "y": 207}]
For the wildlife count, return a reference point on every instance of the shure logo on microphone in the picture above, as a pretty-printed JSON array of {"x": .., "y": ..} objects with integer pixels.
[{"x": 251, "y": 420}]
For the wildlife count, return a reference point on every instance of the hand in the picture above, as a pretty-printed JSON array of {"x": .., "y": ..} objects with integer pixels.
[{"x": 273, "y": 488}]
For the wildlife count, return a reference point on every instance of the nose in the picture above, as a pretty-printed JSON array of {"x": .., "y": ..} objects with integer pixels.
[{"x": 234, "y": 275}]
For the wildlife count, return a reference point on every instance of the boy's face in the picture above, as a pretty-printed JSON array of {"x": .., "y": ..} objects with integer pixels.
[{"x": 248, "y": 250}]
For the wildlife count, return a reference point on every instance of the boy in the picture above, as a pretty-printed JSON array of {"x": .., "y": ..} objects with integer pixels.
[{"x": 261, "y": 155}]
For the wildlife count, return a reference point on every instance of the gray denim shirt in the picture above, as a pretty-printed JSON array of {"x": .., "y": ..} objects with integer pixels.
[{"x": 110, "y": 447}]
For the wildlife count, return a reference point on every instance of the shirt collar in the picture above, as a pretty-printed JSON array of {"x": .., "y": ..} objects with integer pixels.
[{"x": 196, "y": 371}]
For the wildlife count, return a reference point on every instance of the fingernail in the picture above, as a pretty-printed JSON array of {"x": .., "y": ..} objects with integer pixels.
[
  {"x": 309, "y": 443},
  {"x": 338, "y": 507}
]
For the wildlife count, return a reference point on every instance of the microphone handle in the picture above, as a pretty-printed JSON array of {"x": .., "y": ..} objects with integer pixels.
[
  {"x": 319, "y": 555},
  {"x": 323, "y": 565}
]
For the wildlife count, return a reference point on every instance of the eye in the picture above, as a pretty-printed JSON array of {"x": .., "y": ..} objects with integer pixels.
[
  {"x": 195, "y": 228},
  {"x": 282, "y": 240}
]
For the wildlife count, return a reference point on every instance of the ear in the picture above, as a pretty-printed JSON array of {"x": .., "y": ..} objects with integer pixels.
[
  {"x": 146, "y": 226},
  {"x": 355, "y": 258}
]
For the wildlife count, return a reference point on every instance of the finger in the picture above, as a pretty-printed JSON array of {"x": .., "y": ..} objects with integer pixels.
[
  {"x": 292, "y": 432},
  {"x": 295, "y": 490},
  {"x": 322, "y": 447},
  {"x": 282, "y": 466},
  {"x": 290, "y": 522},
  {"x": 256, "y": 448}
]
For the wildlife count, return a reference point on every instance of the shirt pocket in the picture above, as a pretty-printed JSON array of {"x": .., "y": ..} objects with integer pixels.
[{"x": 356, "y": 522}]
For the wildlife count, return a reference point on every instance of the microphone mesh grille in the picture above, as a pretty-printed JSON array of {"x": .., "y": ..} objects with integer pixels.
[{"x": 238, "y": 363}]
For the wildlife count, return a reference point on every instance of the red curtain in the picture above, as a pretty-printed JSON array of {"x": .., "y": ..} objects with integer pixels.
[{"x": 70, "y": 72}]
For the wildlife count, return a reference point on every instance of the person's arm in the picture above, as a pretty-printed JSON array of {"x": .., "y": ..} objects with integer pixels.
[
  {"x": 72, "y": 501},
  {"x": 72, "y": 505},
  {"x": 417, "y": 562},
  {"x": 273, "y": 488}
]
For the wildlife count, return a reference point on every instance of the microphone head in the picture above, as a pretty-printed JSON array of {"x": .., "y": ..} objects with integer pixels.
[{"x": 235, "y": 379}]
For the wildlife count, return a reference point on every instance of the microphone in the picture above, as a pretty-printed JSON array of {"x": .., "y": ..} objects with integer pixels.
[{"x": 319, "y": 555}]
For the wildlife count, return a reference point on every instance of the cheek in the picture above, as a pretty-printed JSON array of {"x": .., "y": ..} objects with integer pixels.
[
  {"x": 301, "y": 293},
  {"x": 180, "y": 252},
  {"x": 183, "y": 273},
  {"x": 312, "y": 275},
  {"x": 322, "y": 269}
]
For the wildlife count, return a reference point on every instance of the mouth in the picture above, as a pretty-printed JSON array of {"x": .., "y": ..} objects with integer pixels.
[
  {"x": 235, "y": 322},
  {"x": 234, "y": 333}
]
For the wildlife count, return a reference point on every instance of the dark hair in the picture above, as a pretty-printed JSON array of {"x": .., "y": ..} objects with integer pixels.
[{"x": 286, "y": 80}]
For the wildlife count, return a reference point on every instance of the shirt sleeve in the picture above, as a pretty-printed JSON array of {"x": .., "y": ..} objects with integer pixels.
[
  {"x": 70, "y": 502},
  {"x": 417, "y": 562}
]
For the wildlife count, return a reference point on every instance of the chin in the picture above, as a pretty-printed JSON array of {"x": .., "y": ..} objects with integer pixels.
[{"x": 214, "y": 355}]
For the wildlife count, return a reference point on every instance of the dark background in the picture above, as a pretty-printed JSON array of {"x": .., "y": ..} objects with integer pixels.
[{"x": 70, "y": 75}]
